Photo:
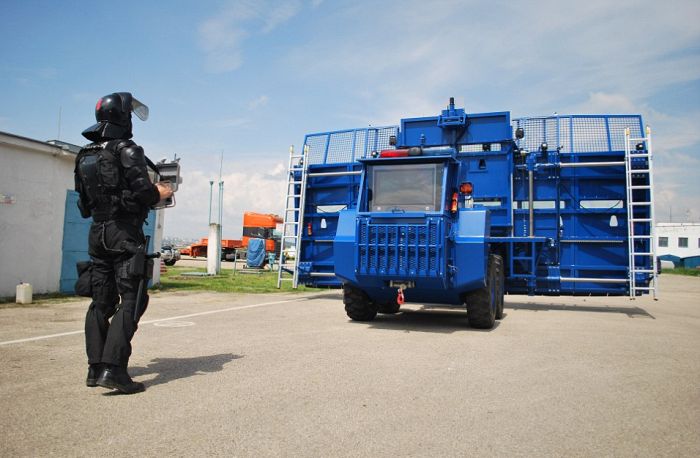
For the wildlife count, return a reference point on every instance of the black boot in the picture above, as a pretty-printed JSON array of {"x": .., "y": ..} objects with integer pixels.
[
  {"x": 94, "y": 371},
  {"x": 117, "y": 378}
]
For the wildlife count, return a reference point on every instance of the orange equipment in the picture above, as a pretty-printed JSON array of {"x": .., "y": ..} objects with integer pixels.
[
  {"x": 227, "y": 247},
  {"x": 262, "y": 226}
]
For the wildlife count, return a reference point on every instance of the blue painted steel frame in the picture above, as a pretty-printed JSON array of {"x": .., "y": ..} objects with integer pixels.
[{"x": 580, "y": 212}]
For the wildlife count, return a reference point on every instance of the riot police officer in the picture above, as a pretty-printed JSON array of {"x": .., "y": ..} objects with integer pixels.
[{"x": 112, "y": 179}]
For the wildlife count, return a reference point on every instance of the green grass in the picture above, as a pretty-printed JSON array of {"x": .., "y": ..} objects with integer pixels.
[
  {"x": 38, "y": 300},
  {"x": 173, "y": 280},
  {"x": 227, "y": 282},
  {"x": 682, "y": 271}
]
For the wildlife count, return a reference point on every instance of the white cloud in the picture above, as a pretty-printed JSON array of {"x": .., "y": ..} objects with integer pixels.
[
  {"x": 254, "y": 185},
  {"x": 222, "y": 37},
  {"x": 601, "y": 102},
  {"x": 279, "y": 13},
  {"x": 541, "y": 55},
  {"x": 234, "y": 122},
  {"x": 258, "y": 102}
]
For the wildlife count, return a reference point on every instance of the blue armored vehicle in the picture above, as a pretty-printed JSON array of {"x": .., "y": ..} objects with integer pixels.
[{"x": 461, "y": 209}]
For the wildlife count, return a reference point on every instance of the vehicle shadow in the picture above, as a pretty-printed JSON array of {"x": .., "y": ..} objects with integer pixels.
[
  {"x": 629, "y": 311},
  {"x": 425, "y": 320},
  {"x": 169, "y": 369}
]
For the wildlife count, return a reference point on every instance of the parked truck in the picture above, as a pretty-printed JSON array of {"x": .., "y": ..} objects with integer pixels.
[
  {"x": 199, "y": 249},
  {"x": 461, "y": 209},
  {"x": 262, "y": 226}
]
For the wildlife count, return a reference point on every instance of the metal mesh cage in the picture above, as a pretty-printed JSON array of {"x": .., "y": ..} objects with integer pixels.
[
  {"x": 578, "y": 133},
  {"x": 571, "y": 133},
  {"x": 348, "y": 145}
]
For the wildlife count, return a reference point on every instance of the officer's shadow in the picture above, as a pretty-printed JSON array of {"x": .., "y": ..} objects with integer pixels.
[{"x": 169, "y": 369}]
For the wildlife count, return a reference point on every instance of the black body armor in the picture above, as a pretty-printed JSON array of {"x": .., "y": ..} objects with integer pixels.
[{"x": 113, "y": 182}]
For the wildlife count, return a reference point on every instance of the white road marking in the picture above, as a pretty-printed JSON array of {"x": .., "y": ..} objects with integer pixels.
[
  {"x": 174, "y": 324},
  {"x": 209, "y": 312}
]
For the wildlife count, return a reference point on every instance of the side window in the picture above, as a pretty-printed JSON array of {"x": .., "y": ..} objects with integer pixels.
[
  {"x": 663, "y": 242},
  {"x": 682, "y": 242}
]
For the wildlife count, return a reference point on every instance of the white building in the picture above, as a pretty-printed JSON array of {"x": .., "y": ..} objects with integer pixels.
[
  {"x": 678, "y": 239},
  {"x": 41, "y": 232}
]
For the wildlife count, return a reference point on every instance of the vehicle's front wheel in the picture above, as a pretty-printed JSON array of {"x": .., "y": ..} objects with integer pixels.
[
  {"x": 483, "y": 303},
  {"x": 170, "y": 262},
  {"x": 358, "y": 305}
]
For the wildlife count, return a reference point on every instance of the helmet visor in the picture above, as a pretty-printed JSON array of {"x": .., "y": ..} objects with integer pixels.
[{"x": 139, "y": 109}]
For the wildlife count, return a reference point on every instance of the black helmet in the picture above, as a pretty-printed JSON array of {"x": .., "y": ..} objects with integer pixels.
[{"x": 113, "y": 115}]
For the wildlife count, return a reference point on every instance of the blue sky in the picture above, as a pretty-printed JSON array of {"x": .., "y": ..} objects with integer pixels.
[{"x": 250, "y": 78}]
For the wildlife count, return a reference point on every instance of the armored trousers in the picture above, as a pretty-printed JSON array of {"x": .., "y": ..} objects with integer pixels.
[{"x": 114, "y": 292}]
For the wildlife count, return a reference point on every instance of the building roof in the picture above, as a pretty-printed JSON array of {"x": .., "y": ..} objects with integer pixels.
[
  {"x": 677, "y": 224},
  {"x": 53, "y": 147}
]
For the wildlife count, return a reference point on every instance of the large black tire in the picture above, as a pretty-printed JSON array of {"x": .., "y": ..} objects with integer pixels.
[
  {"x": 500, "y": 285},
  {"x": 170, "y": 263},
  {"x": 482, "y": 303},
  {"x": 389, "y": 307},
  {"x": 358, "y": 305}
]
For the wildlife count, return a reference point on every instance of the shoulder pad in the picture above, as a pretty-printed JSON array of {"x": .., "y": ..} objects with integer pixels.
[{"x": 132, "y": 156}]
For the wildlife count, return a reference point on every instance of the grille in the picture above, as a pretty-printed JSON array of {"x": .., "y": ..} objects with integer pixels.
[{"x": 400, "y": 249}]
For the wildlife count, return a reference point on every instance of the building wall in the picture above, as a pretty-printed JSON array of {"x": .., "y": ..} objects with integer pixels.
[
  {"x": 34, "y": 177},
  {"x": 674, "y": 231}
]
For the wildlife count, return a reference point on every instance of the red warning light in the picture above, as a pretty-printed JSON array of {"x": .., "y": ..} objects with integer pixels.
[
  {"x": 466, "y": 187},
  {"x": 394, "y": 153}
]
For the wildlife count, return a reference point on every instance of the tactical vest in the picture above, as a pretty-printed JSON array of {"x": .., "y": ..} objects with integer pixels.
[{"x": 99, "y": 178}]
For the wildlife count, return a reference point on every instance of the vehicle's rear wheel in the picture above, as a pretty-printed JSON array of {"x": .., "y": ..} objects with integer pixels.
[
  {"x": 482, "y": 303},
  {"x": 170, "y": 263},
  {"x": 358, "y": 305}
]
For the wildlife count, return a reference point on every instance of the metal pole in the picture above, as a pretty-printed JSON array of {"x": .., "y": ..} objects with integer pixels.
[
  {"x": 221, "y": 214},
  {"x": 221, "y": 201},
  {"x": 211, "y": 188},
  {"x": 530, "y": 202}
]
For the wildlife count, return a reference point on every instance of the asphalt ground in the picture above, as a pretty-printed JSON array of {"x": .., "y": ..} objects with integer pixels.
[{"x": 290, "y": 375}]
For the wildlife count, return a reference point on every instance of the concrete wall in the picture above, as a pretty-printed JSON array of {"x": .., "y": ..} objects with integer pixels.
[
  {"x": 673, "y": 231},
  {"x": 34, "y": 177}
]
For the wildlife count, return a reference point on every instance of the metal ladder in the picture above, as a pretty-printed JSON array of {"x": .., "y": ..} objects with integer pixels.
[
  {"x": 646, "y": 176},
  {"x": 293, "y": 216}
]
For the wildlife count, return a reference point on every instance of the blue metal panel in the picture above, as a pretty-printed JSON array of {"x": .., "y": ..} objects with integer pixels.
[
  {"x": 75, "y": 241},
  {"x": 480, "y": 128},
  {"x": 470, "y": 249}
]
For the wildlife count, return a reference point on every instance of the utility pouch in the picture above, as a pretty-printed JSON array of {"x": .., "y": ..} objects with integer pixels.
[
  {"x": 137, "y": 265},
  {"x": 83, "y": 286}
]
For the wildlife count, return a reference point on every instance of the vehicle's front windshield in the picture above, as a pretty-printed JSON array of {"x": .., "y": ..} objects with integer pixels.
[{"x": 405, "y": 188}]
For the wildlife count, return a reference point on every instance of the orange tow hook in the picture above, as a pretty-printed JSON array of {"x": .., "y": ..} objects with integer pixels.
[{"x": 399, "y": 297}]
